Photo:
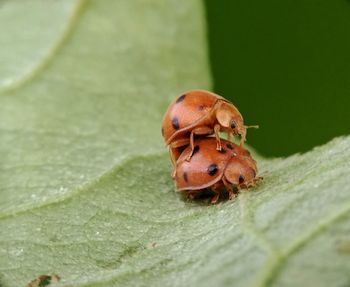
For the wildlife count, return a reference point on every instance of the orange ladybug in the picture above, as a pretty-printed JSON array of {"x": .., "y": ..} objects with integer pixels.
[
  {"x": 199, "y": 112},
  {"x": 230, "y": 167}
]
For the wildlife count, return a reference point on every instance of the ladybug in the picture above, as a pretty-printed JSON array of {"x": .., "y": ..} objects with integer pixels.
[
  {"x": 209, "y": 168},
  {"x": 199, "y": 112}
]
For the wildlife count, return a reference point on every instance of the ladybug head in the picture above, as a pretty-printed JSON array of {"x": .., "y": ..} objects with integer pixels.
[
  {"x": 241, "y": 172},
  {"x": 230, "y": 119}
]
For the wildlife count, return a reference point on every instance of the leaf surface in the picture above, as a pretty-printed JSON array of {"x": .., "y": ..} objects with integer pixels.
[{"x": 85, "y": 179}]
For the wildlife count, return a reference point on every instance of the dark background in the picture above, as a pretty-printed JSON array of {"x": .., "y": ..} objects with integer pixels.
[{"x": 286, "y": 66}]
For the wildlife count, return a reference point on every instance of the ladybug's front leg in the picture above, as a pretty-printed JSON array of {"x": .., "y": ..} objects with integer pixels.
[
  {"x": 217, "y": 136},
  {"x": 243, "y": 137},
  {"x": 229, "y": 188},
  {"x": 216, "y": 189},
  {"x": 175, "y": 151},
  {"x": 173, "y": 161}
]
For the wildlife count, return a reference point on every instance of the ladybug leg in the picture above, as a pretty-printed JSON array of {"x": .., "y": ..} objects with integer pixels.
[
  {"x": 216, "y": 189},
  {"x": 175, "y": 152},
  {"x": 192, "y": 146},
  {"x": 173, "y": 161},
  {"x": 256, "y": 181},
  {"x": 191, "y": 195},
  {"x": 197, "y": 131},
  {"x": 243, "y": 137},
  {"x": 217, "y": 136},
  {"x": 229, "y": 188}
]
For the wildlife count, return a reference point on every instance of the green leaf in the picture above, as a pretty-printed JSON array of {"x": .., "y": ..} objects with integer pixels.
[{"x": 85, "y": 179}]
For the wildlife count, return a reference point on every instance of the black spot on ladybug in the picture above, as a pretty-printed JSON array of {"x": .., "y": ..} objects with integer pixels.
[
  {"x": 195, "y": 150},
  {"x": 162, "y": 131},
  {"x": 241, "y": 179},
  {"x": 222, "y": 151},
  {"x": 229, "y": 146},
  {"x": 185, "y": 177},
  {"x": 180, "y": 99},
  {"x": 212, "y": 169},
  {"x": 175, "y": 123}
]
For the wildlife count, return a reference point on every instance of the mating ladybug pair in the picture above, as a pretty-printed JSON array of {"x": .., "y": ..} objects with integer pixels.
[{"x": 201, "y": 162}]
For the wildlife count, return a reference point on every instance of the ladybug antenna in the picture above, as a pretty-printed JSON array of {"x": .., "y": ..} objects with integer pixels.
[{"x": 252, "y": 127}]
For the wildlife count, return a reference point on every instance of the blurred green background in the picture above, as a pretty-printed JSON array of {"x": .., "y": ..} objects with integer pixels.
[{"x": 286, "y": 66}]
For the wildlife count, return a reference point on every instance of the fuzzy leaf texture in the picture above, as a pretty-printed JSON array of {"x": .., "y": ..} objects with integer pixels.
[{"x": 85, "y": 181}]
